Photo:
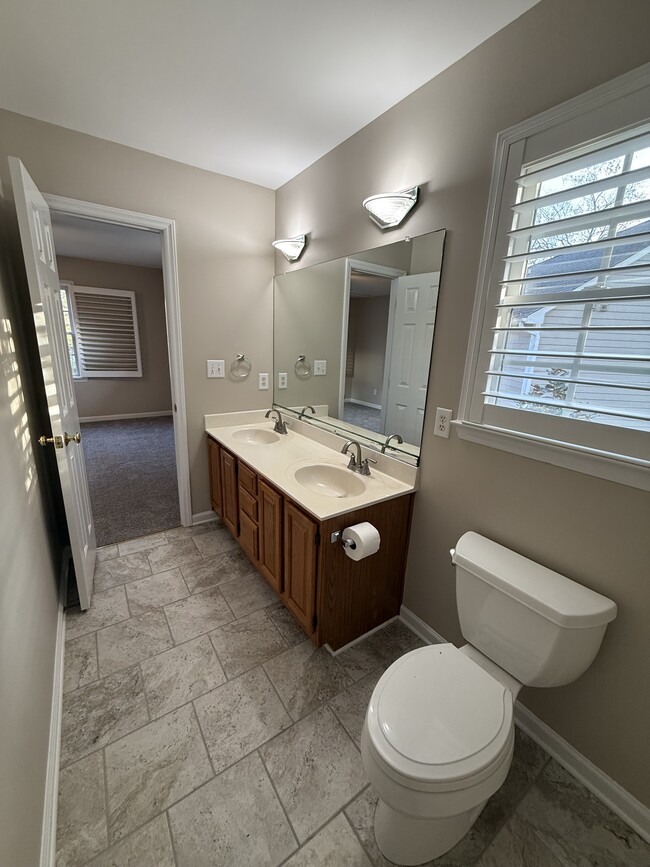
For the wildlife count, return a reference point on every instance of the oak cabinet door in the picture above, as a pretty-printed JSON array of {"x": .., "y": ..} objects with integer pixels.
[
  {"x": 270, "y": 504},
  {"x": 214, "y": 460},
  {"x": 229, "y": 500},
  {"x": 299, "y": 593}
]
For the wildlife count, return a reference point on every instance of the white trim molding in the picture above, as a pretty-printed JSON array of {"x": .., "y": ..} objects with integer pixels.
[
  {"x": 51, "y": 797},
  {"x": 607, "y": 790},
  {"x": 204, "y": 517},
  {"x": 167, "y": 230},
  {"x": 127, "y": 415}
]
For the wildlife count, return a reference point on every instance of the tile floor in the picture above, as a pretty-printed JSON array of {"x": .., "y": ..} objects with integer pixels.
[{"x": 200, "y": 728}]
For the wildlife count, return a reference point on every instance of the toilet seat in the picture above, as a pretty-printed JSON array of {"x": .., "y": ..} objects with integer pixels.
[{"x": 438, "y": 721}]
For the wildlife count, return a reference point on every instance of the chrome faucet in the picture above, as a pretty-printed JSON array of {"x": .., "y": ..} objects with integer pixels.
[
  {"x": 280, "y": 426},
  {"x": 304, "y": 410},
  {"x": 388, "y": 439},
  {"x": 356, "y": 464}
]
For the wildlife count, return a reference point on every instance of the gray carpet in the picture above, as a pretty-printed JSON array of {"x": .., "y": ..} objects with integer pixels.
[
  {"x": 362, "y": 416},
  {"x": 131, "y": 468}
]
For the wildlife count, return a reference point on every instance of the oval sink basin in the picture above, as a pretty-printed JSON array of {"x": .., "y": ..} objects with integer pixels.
[
  {"x": 329, "y": 481},
  {"x": 257, "y": 436}
]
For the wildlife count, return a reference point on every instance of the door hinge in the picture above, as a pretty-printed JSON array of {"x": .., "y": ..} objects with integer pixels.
[{"x": 317, "y": 540}]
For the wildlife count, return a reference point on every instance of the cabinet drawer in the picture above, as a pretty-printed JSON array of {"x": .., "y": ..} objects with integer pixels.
[
  {"x": 247, "y": 503},
  {"x": 247, "y": 479},
  {"x": 249, "y": 536}
]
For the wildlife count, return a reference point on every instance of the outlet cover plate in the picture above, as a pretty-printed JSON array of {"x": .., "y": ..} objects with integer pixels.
[
  {"x": 264, "y": 381},
  {"x": 282, "y": 380},
  {"x": 443, "y": 422}
]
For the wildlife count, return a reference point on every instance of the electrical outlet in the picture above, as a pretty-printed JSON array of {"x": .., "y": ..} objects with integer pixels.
[
  {"x": 216, "y": 369},
  {"x": 443, "y": 419},
  {"x": 320, "y": 368},
  {"x": 264, "y": 381},
  {"x": 282, "y": 380}
]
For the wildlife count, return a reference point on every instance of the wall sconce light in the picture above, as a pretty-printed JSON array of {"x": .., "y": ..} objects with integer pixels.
[
  {"x": 389, "y": 209},
  {"x": 291, "y": 248}
]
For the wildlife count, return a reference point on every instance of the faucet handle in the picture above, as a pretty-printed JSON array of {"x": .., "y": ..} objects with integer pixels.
[{"x": 365, "y": 469}]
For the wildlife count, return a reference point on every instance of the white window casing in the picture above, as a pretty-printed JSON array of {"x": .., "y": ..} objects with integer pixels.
[
  {"x": 558, "y": 365},
  {"x": 106, "y": 326}
]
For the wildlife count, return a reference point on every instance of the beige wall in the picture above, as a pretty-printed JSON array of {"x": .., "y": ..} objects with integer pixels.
[
  {"x": 28, "y": 596},
  {"x": 150, "y": 392},
  {"x": 443, "y": 138},
  {"x": 224, "y": 230}
]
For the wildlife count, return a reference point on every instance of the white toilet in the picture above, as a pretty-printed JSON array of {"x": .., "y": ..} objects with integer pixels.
[{"x": 438, "y": 736}]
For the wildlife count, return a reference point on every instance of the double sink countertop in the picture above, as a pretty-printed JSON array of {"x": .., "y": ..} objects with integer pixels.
[{"x": 306, "y": 464}]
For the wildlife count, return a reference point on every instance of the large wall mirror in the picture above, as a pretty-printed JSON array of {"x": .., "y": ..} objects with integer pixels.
[{"x": 353, "y": 340}]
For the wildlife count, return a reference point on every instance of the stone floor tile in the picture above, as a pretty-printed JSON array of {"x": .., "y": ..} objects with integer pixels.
[
  {"x": 100, "y": 713},
  {"x": 209, "y": 573},
  {"x": 248, "y": 594},
  {"x": 289, "y": 628},
  {"x": 247, "y": 642},
  {"x": 121, "y": 570},
  {"x": 106, "y": 607},
  {"x": 179, "y": 533},
  {"x": 336, "y": 845},
  {"x": 81, "y": 822},
  {"x": 379, "y": 650},
  {"x": 152, "y": 768},
  {"x": 235, "y": 819},
  {"x": 155, "y": 591},
  {"x": 107, "y": 552},
  {"x": 143, "y": 543},
  {"x": 240, "y": 716},
  {"x": 316, "y": 770},
  {"x": 575, "y": 826},
  {"x": 516, "y": 846},
  {"x": 176, "y": 676},
  {"x": 198, "y": 614},
  {"x": 149, "y": 846},
  {"x": 132, "y": 640},
  {"x": 173, "y": 554},
  {"x": 80, "y": 662},
  {"x": 217, "y": 542},
  {"x": 350, "y": 706},
  {"x": 361, "y": 815},
  {"x": 306, "y": 677}
]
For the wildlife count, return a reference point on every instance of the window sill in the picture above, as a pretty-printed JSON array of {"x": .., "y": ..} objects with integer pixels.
[{"x": 615, "y": 468}]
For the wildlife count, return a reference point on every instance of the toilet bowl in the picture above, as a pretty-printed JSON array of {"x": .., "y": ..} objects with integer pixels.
[{"x": 438, "y": 736}]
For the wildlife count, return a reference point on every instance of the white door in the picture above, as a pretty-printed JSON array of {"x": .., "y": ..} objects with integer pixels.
[
  {"x": 408, "y": 355},
  {"x": 38, "y": 249}
]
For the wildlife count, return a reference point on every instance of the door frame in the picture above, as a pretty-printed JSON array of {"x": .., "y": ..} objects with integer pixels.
[
  {"x": 351, "y": 265},
  {"x": 167, "y": 230}
]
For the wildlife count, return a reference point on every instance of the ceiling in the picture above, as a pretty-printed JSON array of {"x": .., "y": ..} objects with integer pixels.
[
  {"x": 105, "y": 242},
  {"x": 253, "y": 89}
]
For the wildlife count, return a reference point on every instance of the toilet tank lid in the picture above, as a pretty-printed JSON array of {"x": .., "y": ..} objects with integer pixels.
[{"x": 550, "y": 594}]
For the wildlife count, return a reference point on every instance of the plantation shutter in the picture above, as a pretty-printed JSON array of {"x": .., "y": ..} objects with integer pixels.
[
  {"x": 571, "y": 329},
  {"x": 107, "y": 332}
]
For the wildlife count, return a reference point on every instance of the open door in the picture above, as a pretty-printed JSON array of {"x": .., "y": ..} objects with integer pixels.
[
  {"x": 414, "y": 299},
  {"x": 40, "y": 261}
]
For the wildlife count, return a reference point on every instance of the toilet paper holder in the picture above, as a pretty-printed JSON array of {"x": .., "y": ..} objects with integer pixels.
[{"x": 337, "y": 535}]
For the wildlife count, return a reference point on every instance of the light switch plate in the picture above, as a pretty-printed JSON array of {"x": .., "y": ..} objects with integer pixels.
[
  {"x": 264, "y": 381},
  {"x": 443, "y": 422},
  {"x": 216, "y": 369},
  {"x": 282, "y": 380},
  {"x": 320, "y": 368}
]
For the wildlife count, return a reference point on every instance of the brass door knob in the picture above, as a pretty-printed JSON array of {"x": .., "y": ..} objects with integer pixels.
[
  {"x": 75, "y": 438},
  {"x": 58, "y": 441}
]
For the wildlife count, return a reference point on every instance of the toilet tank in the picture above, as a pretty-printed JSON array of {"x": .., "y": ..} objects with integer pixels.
[{"x": 541, "y": 627}]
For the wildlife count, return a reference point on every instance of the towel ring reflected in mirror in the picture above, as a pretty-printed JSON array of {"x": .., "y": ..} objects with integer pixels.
[{"x": 302, "y": 367}]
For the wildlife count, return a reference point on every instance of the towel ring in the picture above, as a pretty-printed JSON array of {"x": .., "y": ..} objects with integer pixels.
[
  {"x": 302, "y": 367},
  {"x": 241, "y": 366}
]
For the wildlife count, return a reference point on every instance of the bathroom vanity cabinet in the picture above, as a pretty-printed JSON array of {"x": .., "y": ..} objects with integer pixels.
[{"x": 334, "y": 598}]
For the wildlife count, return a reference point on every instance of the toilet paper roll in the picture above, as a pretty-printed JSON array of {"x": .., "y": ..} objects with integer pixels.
[{"x": 365, "y": 538}]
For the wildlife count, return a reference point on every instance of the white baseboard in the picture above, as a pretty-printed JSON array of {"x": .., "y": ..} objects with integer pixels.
[
  {"x": 607, "y": 790},
  {"x": 360, "y": 638},
  {"x": 51, "y": 799},
  {"x": 362, "y": 403},
  {"x": 203, "y": 517},
  {"x": 126, "y": 415}
]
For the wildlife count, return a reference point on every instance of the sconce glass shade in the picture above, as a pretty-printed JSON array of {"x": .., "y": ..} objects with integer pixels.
[
  {"x": 389, "y": 209},
  {"x": 291, "y": 248}
]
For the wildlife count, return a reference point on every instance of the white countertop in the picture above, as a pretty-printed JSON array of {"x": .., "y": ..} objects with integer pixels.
[{"x": 278, "y": 461}]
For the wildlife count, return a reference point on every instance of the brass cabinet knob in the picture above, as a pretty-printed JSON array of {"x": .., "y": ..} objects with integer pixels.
[
  {"x": 75, "y": 438},
  {"x": 58, "y": 441}
]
